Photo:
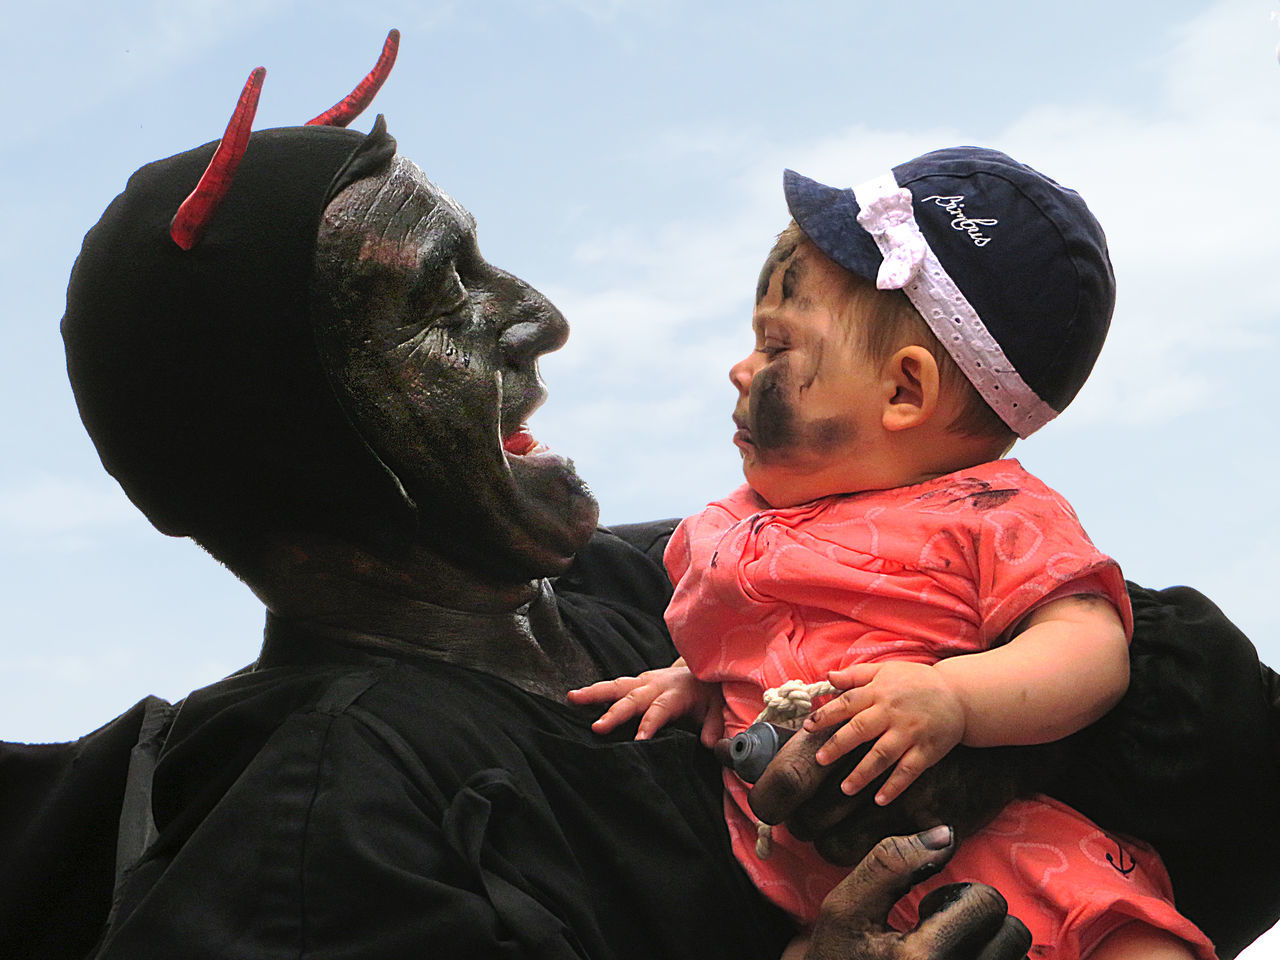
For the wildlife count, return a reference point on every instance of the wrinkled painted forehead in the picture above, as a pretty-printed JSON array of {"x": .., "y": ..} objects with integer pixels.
[{"x": 402, "y": 217}]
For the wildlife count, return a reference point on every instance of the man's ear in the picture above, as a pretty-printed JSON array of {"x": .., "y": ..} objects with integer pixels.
[{"x": 911, "y": 395}]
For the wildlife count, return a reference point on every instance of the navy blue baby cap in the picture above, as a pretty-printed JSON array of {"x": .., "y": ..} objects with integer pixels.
[{"x": 1008, "y": 268}]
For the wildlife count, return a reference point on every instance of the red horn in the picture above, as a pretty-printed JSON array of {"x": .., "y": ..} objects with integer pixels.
[
  {"x": 346, "y": 110},
  {"x": 193, "y": 217}
]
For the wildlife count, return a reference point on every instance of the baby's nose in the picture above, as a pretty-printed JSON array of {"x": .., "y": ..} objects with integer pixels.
[{"x": 740, "y": 374}]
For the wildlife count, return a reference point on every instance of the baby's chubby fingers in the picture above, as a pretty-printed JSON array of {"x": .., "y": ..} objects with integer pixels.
[
  {"x": 866, "y": 725},
  {"x": 883, "y": 754},
  {"x": 618, "y": 714},
  {"x": 656, "y": 696},
  {"x": 663, "y": 707},
  {"x": 854, "y": 698},
  {"x": 854, "y": 675},
  {"x": 848, "y": 704},
  {"x": 627, "y": 694},
  {"x": 913, "y": 762},
  {"x": 603, "y": 690}
]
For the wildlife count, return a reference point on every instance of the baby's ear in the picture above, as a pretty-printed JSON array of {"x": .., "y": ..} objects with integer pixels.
[{"x": 911, "y": 394}]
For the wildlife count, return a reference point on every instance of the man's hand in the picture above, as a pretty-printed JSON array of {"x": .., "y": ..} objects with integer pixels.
[
  {"x": 796, "y": 790},
  {"x": 965, "y": 789},
  {"x": 962, "y": 921},
  {"x": 908, "y": 709},
  {"x": 656, "y": 696}
]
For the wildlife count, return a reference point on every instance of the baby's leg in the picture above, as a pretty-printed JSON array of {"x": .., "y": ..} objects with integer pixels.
[{"x": 1137, "y": 941}]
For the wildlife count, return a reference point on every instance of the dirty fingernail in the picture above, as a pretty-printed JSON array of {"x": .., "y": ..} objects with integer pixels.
[{"x": 937, "y": 838}]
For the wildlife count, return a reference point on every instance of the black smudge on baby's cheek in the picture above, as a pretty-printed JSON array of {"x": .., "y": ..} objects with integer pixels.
[
  {"x": 775, "y": 426},
  {"x": 829, "y": 433},
  {"x": 772, "y": 415}
]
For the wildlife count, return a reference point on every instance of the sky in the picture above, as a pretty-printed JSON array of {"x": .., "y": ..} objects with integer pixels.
[{"x": 626, "y": 159}]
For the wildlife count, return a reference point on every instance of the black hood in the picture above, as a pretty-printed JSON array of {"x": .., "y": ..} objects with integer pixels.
[{"x": 196, "y": 372}]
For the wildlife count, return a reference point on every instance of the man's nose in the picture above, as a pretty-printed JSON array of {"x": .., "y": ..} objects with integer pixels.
[{"x": 538, "y": 328}]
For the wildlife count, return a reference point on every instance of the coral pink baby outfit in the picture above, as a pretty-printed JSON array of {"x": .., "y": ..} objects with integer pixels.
[{"x": 950, "y": 566}]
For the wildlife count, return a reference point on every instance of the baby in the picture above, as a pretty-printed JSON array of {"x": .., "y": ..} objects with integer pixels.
[{"x": 907, "y": 331}]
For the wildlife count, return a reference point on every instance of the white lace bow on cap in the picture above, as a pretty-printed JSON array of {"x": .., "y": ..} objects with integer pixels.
[{"x": 886, "y": 215}]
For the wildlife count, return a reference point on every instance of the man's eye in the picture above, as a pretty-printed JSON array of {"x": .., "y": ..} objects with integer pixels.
[
  {"x": 449, "y": 304},
  {"x": 440, "y": 299},
  {"x": 771, "y": 350},
  {"x": 453, "y": 315}
]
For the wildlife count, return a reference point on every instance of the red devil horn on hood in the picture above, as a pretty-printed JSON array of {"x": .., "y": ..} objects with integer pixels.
[
  {"x": 193, "y": 216},
  {"x": 351, "y": 106},
  {"x": 197, "y": 211}
]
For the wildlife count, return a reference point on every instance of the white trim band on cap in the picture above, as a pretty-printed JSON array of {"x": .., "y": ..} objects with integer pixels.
[{"x": 910, "y": 265}]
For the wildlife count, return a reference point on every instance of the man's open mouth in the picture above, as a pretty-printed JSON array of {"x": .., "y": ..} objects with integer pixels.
[{"x": 520, "y": 442}]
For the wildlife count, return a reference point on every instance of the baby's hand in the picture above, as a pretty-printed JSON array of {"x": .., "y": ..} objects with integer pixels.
[
  {"x": 909, "y": 709},
  {"x": 656, "y": 696}
]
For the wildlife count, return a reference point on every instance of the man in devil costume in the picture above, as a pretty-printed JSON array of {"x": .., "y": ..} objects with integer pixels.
[{"x": 306, "y": 366}]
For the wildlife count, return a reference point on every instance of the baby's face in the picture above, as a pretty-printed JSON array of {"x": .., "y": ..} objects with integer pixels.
[{"x": 809, "y": 402}]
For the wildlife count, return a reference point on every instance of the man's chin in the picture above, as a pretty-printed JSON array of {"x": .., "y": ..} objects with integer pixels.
[{"x": 556, "y": 512}]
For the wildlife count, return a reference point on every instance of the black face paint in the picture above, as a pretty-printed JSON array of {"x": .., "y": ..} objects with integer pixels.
[
  {"x": 434, "y": 355},
  {"x": 772, "y": 417},
  {"x": 814, "y": 367},
  {"x": 829, "y": 434},
  {"x": 791, "y": 279},
  {"x": 776, "y": 258},
  {"x": 777, "y": 431}
]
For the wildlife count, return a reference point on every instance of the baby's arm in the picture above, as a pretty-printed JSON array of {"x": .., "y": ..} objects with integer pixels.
[
  {"x": 1066, "y": 668},
  {"x": 658, "y": 696}
]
